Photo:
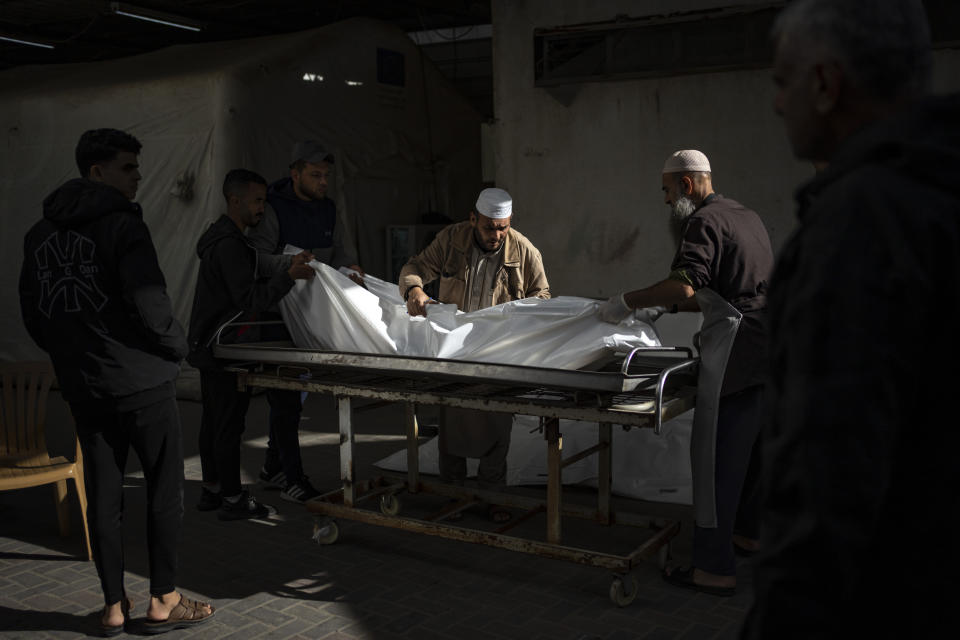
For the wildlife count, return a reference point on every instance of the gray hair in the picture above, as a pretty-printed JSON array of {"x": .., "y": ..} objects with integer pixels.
[{"x": 884, "y": 45}]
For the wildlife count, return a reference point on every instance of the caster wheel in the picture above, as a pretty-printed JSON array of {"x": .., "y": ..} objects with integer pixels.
[
  {"x": 623, "y": 590},
  {"x": 325, "y": 532},
  {"x": 389, "y": 505}
]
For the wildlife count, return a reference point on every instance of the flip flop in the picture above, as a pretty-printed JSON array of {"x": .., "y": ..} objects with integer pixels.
[
  {"x": 114, "y": 630},
  {"x": 684, "y": 578},
  {"x": 498, "y": 515},
  {"x": 186, "y": 613},
  {"x": 743, "y": 552}
]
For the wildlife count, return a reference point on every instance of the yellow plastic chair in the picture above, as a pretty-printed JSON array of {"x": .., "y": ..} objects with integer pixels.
[{"x": 24, "y": 458}]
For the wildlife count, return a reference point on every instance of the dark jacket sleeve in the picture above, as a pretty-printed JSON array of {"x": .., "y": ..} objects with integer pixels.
[
  {"x": 28, "y": 298},
  {"x": 145, "y": 292},
  {"x": 236, "y": 268},
  {"x": 697, "y": 252}
]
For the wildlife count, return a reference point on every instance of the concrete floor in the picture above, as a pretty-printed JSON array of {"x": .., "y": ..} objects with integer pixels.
[{"x": 269, "y": 580}]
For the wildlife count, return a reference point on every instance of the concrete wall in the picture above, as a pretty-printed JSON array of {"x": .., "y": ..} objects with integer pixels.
[{"x": 585, "y": 177}]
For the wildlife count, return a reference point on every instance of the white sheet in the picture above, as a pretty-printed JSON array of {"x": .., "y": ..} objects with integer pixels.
[{"x": 332, "y": 312}]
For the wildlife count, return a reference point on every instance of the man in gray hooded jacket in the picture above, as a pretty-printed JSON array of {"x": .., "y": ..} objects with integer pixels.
[{"x": 229, "y": 290}]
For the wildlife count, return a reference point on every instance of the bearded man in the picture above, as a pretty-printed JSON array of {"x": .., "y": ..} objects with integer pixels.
[
  {"x": 722, "y": 267},
  {"x": 480, "y": 263}
]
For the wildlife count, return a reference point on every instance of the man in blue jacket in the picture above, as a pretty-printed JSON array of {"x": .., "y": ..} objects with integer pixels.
[
  {"x": 298, "y": 213},
  {"x": 92, "y": 295},
  {"x": 228, "y": 290}
]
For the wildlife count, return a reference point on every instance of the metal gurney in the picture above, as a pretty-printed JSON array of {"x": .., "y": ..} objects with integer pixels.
[{"x": 641, "y": 389}]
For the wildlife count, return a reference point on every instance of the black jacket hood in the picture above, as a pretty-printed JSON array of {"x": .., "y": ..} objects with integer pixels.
[
  {"x": 923, "y": 143},
  {"x": 81, "y": 200}
]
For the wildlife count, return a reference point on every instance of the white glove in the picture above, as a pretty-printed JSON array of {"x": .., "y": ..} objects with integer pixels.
[
  {"x": 652, "y": 314},
  {"x": 614, "y": 310}
]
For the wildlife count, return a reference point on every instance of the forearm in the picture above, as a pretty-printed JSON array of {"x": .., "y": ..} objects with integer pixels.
[
  {"x": 665, "y": 293},
  {"x": 410, "y": 277},
  {"x": 269, "y": 264},
  {"x": 261, "y": 295}
]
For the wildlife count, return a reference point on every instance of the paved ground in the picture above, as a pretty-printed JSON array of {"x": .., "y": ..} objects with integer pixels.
[{"x": 272, "y": 581}]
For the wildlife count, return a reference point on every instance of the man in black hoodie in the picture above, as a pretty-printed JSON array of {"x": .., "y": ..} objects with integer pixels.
[
  {"x": 861, "y": 451},
  {"x": 228, "y": 289},
  {"x": 92, "y": 295}
]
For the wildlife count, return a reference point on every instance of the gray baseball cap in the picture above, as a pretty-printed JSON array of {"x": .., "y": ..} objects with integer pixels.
[{"x": 310, "y": 151}]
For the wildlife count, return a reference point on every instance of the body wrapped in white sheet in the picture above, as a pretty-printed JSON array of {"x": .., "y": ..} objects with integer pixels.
[{"x": 331, "y": 312}]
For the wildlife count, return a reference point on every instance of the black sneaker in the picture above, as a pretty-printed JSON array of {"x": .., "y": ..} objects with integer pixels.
[
  {"x": 209, "y": 500},
  {"x": 272, "y": 479},
  {"x": 300, "y": 491},
  {"x": 245, "y": 508}
]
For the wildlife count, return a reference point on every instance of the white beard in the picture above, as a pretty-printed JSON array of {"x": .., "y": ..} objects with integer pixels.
[{"x": 681, "y": 209}]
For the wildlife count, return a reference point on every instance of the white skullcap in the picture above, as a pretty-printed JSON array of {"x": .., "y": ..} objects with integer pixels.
[
  {"x": 685, "y": 161},
  {"x": 495, "y": 203}
]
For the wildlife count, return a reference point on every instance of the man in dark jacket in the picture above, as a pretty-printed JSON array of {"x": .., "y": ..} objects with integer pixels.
[
  {"x": 93, "y": 296},
  {"x": 861, "y": 452},
  {"x": 725, "y": 260},
  {"x": 227, "y": 289},
  {"x": 298, "y": 213}
]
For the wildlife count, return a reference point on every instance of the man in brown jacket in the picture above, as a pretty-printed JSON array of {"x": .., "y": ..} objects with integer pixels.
[{"x": 480, "y": 263}]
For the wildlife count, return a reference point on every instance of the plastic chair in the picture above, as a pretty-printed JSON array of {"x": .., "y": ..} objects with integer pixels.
[{"x": 24, "y": 458}]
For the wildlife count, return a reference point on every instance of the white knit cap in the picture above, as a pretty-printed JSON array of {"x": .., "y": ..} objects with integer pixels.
[
  {"x": 685, "y": 161},
  {"x": 495, "y": 203}
]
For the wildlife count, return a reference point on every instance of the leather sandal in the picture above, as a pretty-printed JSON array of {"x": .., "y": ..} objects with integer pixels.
[
  {"x": 186, "y": 613},
  {"x": 114, "y": 630}
]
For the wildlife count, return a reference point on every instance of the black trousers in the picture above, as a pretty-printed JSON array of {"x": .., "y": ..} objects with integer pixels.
[
  {"x": 221, "y": 428},
  {"x": 736, "y": 470},
  {"x": 105, "y": 440},
  {"x": 283, "y": 444}
]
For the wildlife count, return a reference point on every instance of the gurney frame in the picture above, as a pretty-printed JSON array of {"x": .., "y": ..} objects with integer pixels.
[{"x": 651, "y": 386}]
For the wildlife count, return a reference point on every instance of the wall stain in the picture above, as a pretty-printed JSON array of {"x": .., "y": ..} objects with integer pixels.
[{"x": 624, "y": 248}]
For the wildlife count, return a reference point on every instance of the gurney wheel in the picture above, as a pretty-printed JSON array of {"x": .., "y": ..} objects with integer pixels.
[
  {"x": 325, "y": 532},
  {"x": 619, "y": 593},
  {"x": 389, "y": 505}
]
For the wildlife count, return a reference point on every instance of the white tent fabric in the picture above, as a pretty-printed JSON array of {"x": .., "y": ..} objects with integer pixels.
[{"x": 403, "y": 145}]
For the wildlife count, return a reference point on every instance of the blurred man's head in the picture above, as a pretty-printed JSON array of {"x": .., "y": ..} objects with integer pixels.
[
  {"x": 491, "y": 218},
  {"x": 246, "y": 194},
  {"x": 842, "y": 64},
  {"x": 310, "y": 170},
  {"x": 110, "y": 156}
]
